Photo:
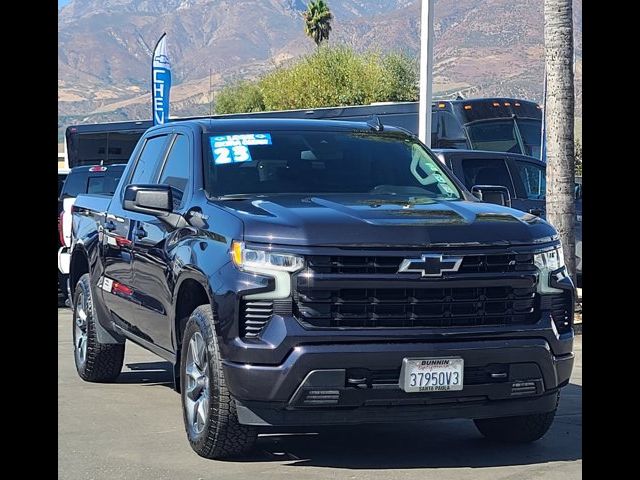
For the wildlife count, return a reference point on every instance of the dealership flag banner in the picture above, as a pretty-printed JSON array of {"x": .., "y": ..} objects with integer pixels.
[{"x": 160, "y": 82}]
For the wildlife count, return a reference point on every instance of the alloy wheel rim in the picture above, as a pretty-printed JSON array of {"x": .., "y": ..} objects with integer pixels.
[
  {"x": 80, "y": 330},
  {"x": 196, "y": 396}
]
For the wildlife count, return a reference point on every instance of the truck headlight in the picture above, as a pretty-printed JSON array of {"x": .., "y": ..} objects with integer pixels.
[
  {"x": 279, "y": 266},
  {"x": 255, "y": 260},
  {"x": 550, "y": 260}
]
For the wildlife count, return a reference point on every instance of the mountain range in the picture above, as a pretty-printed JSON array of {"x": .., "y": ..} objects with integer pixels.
[{"x": 482, "y": 48}]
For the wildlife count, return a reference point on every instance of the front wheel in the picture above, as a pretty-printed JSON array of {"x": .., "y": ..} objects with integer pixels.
[
  {"x": 95, "y": 361},
  {"x": 209, "y": 410}
]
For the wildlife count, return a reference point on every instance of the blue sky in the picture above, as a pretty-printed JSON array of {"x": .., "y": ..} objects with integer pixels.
[{"x": 62, "y": 3}]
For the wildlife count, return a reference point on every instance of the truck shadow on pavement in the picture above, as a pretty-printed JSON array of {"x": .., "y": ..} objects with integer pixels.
[
  {"x": 147, "y": 373},
  {"x": 433, "y": 444}
]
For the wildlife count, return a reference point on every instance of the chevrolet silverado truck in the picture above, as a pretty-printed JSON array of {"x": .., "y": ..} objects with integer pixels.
[{"x": 312, "y": 272}]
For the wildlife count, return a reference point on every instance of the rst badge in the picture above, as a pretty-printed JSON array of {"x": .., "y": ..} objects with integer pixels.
[{"x": 431, "y": 265}]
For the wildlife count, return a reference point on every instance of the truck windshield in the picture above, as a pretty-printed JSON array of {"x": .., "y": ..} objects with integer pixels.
[
  {"x": 281, "y": 162},
  {"x": 502, "y": 135}
]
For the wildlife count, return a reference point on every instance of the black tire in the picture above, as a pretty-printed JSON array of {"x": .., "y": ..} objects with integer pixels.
[
  {"x": 101, "y": 362},
  {"x": 222, "y": 436},
  {"x": 520, "y": 429}
]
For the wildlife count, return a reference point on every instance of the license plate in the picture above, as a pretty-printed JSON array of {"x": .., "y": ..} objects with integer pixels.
[{"x": 431, "y": 374}]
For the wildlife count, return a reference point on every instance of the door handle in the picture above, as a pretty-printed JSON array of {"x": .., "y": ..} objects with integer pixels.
[
  {"x": 109, "y": 226},
  {"x": 141, "y": 233}
]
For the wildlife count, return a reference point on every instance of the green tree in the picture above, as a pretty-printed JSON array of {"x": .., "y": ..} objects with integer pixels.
[
  {"x": 240, "y": 97},
  {"x": 317, "y": 21},
  {"x": 329, "y": 77}
]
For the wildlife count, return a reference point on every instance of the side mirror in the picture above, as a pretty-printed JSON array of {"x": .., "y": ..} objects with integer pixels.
[
  {"x": 492, "y": 194},
  {"x": 156, "y": 200},
  {"x": 151, "y": 199}
]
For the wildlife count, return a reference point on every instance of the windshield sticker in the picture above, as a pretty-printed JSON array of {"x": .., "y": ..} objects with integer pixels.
[
  {"x": 224, "y": 155},
  {"x": 246, "y": 139},
  {"x": 235, "y": 148}
]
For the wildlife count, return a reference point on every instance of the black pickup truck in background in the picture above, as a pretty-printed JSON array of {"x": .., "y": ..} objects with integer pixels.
[
  {"x": 522, "y": 175},
  {"x": 309, "y": 272}
]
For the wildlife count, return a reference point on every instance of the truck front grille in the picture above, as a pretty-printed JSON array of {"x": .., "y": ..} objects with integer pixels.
[
  {"x": 414, "y": 307},
  {"x": 489, "y": 263}
]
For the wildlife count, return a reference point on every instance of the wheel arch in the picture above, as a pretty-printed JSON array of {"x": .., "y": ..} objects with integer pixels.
[
  {"x": 78, "y": 266},
  {"x": 192, "y": 290}
]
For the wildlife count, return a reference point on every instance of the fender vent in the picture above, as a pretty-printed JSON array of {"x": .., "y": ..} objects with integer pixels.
[
  {"x": 561, "y": 308},
  {"x": 254, "y": 315}
]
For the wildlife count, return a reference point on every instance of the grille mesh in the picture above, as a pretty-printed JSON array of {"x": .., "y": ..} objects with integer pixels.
[{"x": 415, "y": 307}]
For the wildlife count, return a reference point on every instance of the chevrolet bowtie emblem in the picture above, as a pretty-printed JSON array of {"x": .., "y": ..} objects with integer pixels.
[{"x": 431, "y": 265}]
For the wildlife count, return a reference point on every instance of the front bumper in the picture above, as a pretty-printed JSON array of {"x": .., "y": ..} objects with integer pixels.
[
  {"x": 272, "y": 376},
  {"x": 275, "y": 395}
]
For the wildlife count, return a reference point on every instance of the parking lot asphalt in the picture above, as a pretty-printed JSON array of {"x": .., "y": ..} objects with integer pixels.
[{"x": 132, "y": 429}]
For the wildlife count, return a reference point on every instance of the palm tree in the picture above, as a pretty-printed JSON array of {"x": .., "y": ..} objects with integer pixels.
[
  {"x": 317, "y": 21},
  {"x": 558, "y": 43}
]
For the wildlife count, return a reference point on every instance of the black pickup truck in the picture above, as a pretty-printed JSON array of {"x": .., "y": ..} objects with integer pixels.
[{"x": 310, "y": 272}]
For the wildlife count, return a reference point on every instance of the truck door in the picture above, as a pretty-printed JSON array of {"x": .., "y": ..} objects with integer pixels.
[
  {"x": 119, "y": 294},
  {"x": 153, "y": 274}
]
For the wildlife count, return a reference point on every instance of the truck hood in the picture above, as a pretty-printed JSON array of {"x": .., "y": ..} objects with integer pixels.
[{"x": 382, "y": 221}]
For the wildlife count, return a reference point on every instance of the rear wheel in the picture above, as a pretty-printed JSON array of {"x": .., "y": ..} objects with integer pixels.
[
  {"x": 209, "y": 410},
  {"x": 95, "y": 361}
]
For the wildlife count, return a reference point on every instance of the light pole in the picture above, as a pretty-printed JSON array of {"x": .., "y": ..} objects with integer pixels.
[{"x": 426, "y": 72}]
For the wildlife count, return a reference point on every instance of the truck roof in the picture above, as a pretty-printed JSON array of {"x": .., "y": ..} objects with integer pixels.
[
  {"x": 243, "y": 124},
  {"x": 86, "y": 168}
]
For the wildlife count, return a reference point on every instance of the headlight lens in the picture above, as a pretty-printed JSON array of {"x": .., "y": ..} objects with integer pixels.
[
  {"x": 551, "y": 260},
  {"x": 253, "y": 259}
]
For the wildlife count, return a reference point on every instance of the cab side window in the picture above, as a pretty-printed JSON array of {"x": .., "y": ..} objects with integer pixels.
[
  {"x": 487, "y": 171},
  {"x": 534, "y": 179},
  {"x": 175, "y": 171},
  {"x": 149, "y": 160}
]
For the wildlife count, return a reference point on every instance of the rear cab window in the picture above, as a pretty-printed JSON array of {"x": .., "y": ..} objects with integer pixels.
[{"x": 103, "y": 181}]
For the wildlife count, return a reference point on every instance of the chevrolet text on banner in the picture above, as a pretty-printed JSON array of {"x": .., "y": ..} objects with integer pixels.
[{"x": 160, "y": 82}]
